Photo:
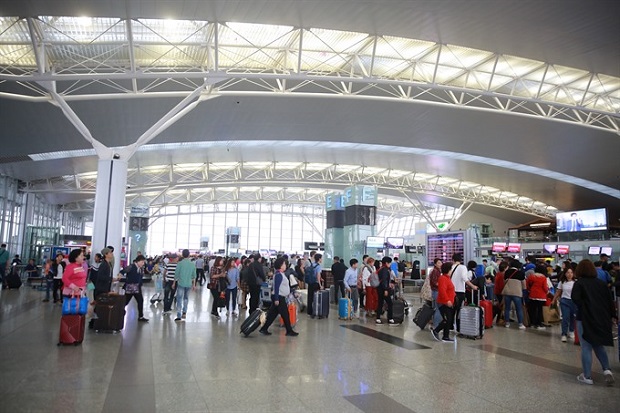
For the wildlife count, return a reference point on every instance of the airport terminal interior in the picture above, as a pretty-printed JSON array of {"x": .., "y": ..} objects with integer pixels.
[{"x": 406, "y": 128}]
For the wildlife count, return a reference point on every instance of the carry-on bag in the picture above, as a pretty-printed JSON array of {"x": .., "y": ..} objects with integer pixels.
[
  {"x": 251, "y": 323},
  {"x": 423, "y": 316},
  {"x": 75, "y": 305},
  {"x": 292, "y": 314},
  {"x": 72, "y": 329},
  {"x": 156, "y": 298},
  {"x": 398, "y": 310},
  {"x": 487, "y": 306},
  {"x": 345, "y": 308},
  {"x": 110, "y": 310},
  {"x": 321, "y": 304},
  {"x": 471, "y": 320}
]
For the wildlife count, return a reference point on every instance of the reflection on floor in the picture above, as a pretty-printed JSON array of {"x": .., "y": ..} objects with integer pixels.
[{"x": 205, "y": 365}]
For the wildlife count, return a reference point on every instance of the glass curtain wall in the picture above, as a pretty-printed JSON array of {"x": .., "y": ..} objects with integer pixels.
[
  {"x": 263, "y": 226},
  {"x": 11, "y": 203}
]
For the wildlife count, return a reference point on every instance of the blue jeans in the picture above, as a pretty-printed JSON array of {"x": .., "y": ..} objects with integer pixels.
[
  {"x": 569, "y": 309},
  {"x": 48, "y": 288},
  {"x": 508, "y": 299},
  {"x": 182, "y": 298},
  {"x": 437, "y": 314},
  {"x": 586, "y": 353},
  {"x": 231, "y": 292}
]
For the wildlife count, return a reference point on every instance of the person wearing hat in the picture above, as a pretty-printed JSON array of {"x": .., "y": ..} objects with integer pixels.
[
  {"x": 606, "y": 266},
  {"x": 103, "y": 282}
]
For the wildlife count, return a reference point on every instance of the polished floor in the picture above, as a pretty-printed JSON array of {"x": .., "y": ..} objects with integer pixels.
[{"x": 205, "y": 365}]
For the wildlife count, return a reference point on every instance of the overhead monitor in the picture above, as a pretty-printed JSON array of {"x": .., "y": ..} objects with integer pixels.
[
  {"x": 586, "y": 220},
  {"x": 395, "y": 243},
  {"x": 606, "y": 250},
  {"x": 514, "y": 247},
  {"x": 550, "y": 248},
  {"x": 594, "y": 250},
  {"x": 411, "y": 249},
  {"x": 499, "y": 247},
  {"x": 375, "y": 242},
  {"x": 563, "y": 249}
]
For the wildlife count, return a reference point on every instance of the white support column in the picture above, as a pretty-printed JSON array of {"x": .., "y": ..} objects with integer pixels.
[{"x": 110, "y": 207}]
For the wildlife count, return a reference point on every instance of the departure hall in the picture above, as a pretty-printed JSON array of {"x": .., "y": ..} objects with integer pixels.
[{"x": 409, "y": 129}]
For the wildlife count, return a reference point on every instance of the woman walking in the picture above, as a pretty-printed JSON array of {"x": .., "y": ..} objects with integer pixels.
[{"x": 595, "y": 310}]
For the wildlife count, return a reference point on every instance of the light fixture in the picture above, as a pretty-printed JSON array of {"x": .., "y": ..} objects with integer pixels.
[{"x": 540, "y": 224}]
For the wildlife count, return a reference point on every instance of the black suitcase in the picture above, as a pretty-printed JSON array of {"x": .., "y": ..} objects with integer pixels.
[
  {"x": 13, "y": 281},
  {"x": 398, "y": 310},
  {"x": 423, "y": 316},
  {"x": 251, "y": 323},
  {"x": 110, "y": 310},
  {"x": 156, "y": 298},
  {"x": 321, "y": 304}
]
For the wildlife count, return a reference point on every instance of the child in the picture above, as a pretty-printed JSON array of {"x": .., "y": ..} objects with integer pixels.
[{"x": 158, "y": 278}]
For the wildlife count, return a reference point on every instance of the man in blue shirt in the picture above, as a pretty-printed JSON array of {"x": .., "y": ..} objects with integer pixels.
[
  {"x": 350, "y": 284},
  {"x": 602, "y": 274}
]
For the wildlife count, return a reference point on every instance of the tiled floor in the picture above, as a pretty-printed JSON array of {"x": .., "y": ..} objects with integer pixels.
[{"x": 205, "y": 365}]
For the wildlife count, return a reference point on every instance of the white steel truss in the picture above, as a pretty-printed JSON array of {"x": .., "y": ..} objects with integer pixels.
[
  {"x": 290, "y": 183},
  {"x": 95, "y": 58}
]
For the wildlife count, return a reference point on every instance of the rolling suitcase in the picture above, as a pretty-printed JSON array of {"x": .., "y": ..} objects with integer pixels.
[
  {"x": 110, "y": 310},
  {"x": 487, "y": 306},
  {"x": 156, "y": 298},
  {"x": 321, "y": 304},
  {"x": 292, "y": 315},
  {"x": 251, "y": 323},
  {"x": 345, "y": 309},
  {"x": 71, "y": 329},
  {"x": 265, "y": 295},
  {"x": 423, "y": 316},
  {"x": 398, "y": 310},
  {"x": 471, "y": 320}
]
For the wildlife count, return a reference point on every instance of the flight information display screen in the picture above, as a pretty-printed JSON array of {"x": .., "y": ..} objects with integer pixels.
[{"x": 443, "y": 246}]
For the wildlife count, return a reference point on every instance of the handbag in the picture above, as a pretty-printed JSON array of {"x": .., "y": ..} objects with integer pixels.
[
  {"x": 426, "y": 292},
  {"x": 90, "y": 286},
  {"x": 75, "y": 305}
]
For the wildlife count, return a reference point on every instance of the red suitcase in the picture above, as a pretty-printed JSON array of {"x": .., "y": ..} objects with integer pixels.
[
  {"x": 488, "y": 313},
  {"x": 72, "y": 329},
  {"x": 292, "y": 315}
]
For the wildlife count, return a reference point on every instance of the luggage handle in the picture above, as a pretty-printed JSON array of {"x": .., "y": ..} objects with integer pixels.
[{"x": 472, "y": 297}]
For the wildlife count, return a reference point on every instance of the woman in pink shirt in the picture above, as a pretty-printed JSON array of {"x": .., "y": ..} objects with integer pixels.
[{"x": 74, "y": 276}]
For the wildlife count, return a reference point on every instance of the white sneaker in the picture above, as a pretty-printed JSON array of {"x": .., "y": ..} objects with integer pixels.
[
  {"x": 507, "y": 325},
  {"x": 609, "y": 378},
  {"x": 522, "y": 327},
  {"x": 571, "y": 335},
  {"x": 564, "y": 339},
  {"x": 378, "y": 321},
  {"x": 582, "y": 379}
]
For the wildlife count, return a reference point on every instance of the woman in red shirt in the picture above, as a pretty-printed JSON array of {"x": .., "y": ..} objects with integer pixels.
[
  {"x": 537, "y": 289},
  {"x": 74, "y": 276},
  {"x": 445, "y": 300}
]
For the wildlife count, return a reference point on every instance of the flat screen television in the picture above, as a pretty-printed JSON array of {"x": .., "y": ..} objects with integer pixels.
[
  {"x": 411, "y": 249},
  {"x": 586, "y": 220},
  {"x": 394, "y": 243},
  {"x": 606, "y": 250},
  {"x": 550, "y": 248},
  {"x": 499, "y": 247},
  {"x": 514, "y": 247},
  {"x": 563, "y": 249},
  {"x": 594, "y": 250},
  {"x": 375, "y": 242}
]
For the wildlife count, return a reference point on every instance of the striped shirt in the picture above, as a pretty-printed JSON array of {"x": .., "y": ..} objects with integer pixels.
[{"x": 171, "y": 268}]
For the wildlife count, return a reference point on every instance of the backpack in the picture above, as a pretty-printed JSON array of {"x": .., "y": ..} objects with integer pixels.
[
  {"x": 311, "y": 276},
  {"x": 401, "y": 267}
]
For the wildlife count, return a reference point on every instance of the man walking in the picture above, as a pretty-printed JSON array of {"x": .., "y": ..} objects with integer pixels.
[
  {"x": 184, "y": 280},
  {"x": 338, "y": 271},
  {"x": 170, "y": 286},
  {"x": 4, "y": 258}
]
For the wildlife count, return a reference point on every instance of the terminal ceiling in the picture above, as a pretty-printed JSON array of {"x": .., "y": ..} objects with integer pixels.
[{"x": 562, "y": 161}]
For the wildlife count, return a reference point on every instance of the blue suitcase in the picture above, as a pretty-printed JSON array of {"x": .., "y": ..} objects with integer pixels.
[{"x": 345, "y": 309}]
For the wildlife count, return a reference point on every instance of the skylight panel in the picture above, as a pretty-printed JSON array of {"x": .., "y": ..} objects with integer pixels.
[
  {"x": 461, "y": 57},
  {"x": 332, "y": 40},
  {"x": 516, "y": 67},
  {"x": 164, "y": 31},
  {"x": 257, "y": 35},
  {"x": 287, "y": 165},
  {"x": 14, "y": 29},
  {"x": 222, "y": 166},
  {"x": 256, "y": 165},
  {"x": 400, "y": 48},
  {"x": 84, "y": 30}
]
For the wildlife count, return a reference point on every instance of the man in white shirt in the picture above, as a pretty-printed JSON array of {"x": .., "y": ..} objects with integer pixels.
[
  {"x": 350, "y": 284},
  {"x": 460, "y": 279}
]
